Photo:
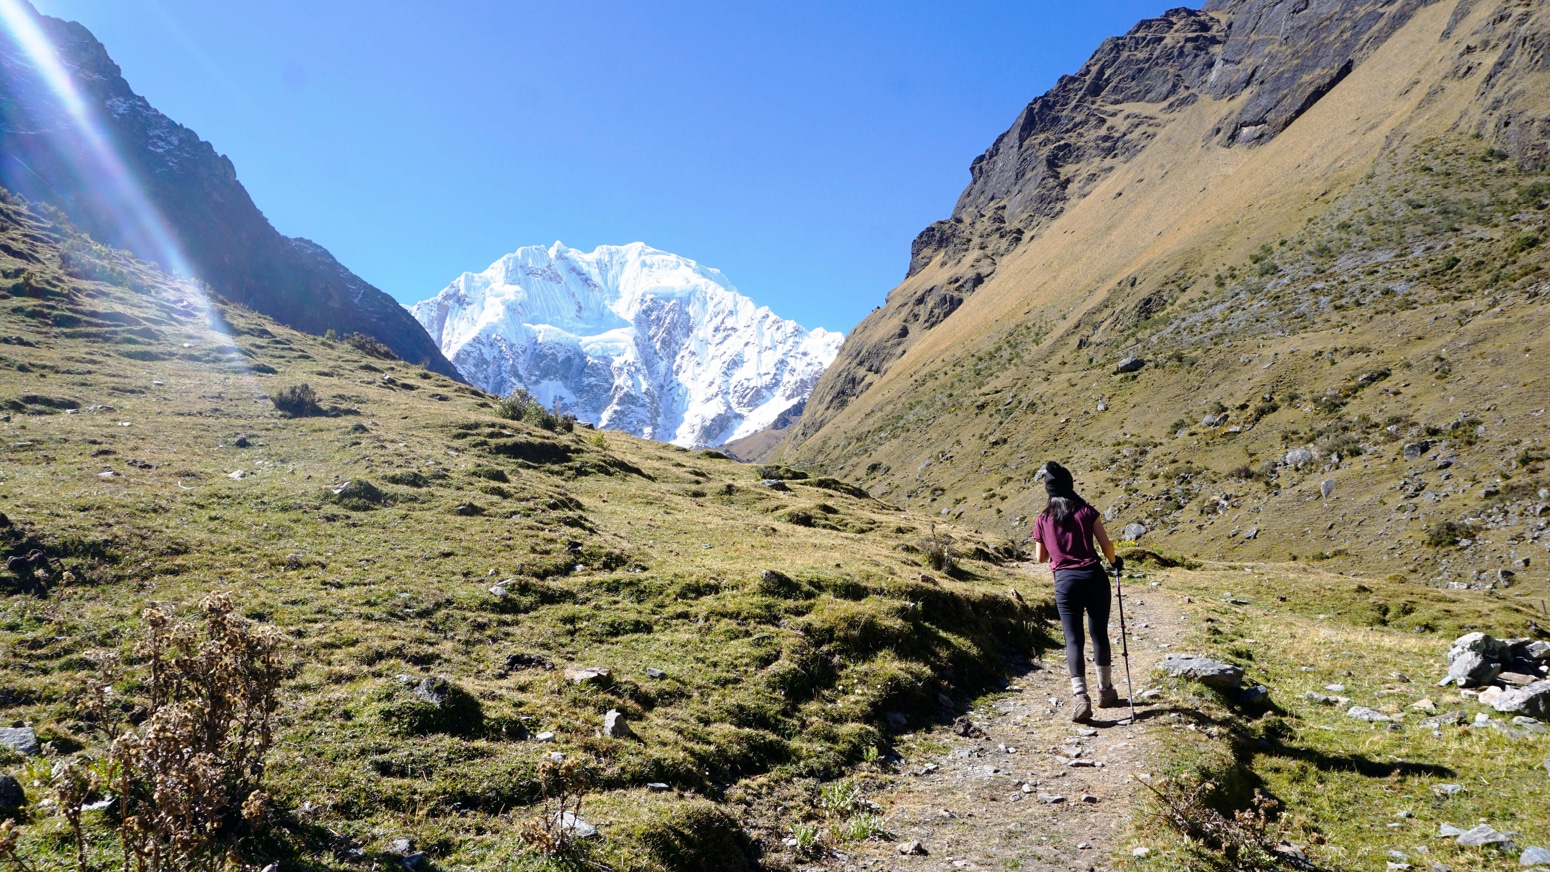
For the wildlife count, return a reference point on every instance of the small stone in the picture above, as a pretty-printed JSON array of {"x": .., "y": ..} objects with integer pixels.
[
  {"x": 545, "y": 736},
  {"x": 1539, "y": 650},
  {"x": 1424, "y": 705},
  {"x": 774, "y": 484},
  {"x": 1371, "y": 716},
  {"x": 653, "y": 672},
  {"x": 1534, "y": 857},
  {"x": 1051, "y": 798},
  {"x": 1516, "y": 678},
  {"x": 1446, "y": 719},
  {"x": 1335, "y": 688},
  {"x": 413, "y": 861},
  {"x": 1447, "y": 790},
  {"x": 578, "y": 828},
  {"x": 657, "y": 787},
  {"x": 1448, "y": 831},
  {"x": 12, "y": 797},
  {"x": 593, "y": 676},
  {"x": 22, "y": 740},
  {"x": 1256, "y": 695},
  {"x": 1129, "y": 364},
  {"x": 1133, "y": 532},
  {"x": 1327, "y": 487},
  {"x": 1089, "y": 798},
  {"x": 913, "y": 849},
  {"x": 435, "y": 691},
  {"x": 1486, "y": 837},
  {"x": 896, "y": 720},
  {"x": 1416, "y": 450},
  {"x": 404, "y": 847},
  {"x": 1141, "y": 852},
  {"x": 616, "y": 727}
]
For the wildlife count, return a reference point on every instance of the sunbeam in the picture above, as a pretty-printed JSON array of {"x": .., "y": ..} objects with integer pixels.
[{"x": 88, "y": 151}]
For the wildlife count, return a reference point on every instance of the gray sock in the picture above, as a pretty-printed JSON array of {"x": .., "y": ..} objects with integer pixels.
[{"x": 1079, "y": 686}]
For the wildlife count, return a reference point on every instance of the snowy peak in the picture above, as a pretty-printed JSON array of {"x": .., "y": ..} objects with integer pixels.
[{"x": 628, "y": 337}]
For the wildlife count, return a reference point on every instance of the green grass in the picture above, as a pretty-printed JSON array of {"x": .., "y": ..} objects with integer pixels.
[
  {"x": 372, "y": 535},
  {"x": 1341, "y": 783}
]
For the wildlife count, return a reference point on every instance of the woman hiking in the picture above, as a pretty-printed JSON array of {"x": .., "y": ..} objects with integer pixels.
[{"x": 1063, "y": 537}]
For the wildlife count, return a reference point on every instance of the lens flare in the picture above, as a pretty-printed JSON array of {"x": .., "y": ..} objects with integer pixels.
[{"x": 86, "y": 148}]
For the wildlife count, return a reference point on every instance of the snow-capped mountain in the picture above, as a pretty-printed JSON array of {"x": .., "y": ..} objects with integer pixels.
[{"x": 630, "y": 338}]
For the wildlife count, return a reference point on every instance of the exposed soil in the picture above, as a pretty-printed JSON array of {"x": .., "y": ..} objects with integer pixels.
[{"x": 985, "y": 802}]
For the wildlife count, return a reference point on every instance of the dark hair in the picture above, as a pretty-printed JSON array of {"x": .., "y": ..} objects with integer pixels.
[{"x": 1064, "y": 508}]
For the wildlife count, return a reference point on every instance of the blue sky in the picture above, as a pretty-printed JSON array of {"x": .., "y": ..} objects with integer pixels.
[{"x": 797, "y": 147}]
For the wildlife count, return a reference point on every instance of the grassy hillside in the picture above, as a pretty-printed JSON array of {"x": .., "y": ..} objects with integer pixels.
[
  {"x": 1372, "y": 278},
  {"x": 758, "y": 639}
]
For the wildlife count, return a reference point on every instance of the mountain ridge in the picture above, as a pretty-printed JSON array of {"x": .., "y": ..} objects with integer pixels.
[
  {"x": 1191, "y": 247},
  {"x": 629, "y": 338},
  {"x": 202, "y": 213}
]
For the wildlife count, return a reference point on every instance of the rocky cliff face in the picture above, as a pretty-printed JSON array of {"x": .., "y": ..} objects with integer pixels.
[
  {"x": 1262, "y": 62},
  {"x": 133, "y": 178},
  {"x": 629, "y": 338}
]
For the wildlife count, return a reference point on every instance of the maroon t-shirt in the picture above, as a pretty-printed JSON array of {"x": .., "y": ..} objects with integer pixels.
[{"x": 1070, "y": 545}]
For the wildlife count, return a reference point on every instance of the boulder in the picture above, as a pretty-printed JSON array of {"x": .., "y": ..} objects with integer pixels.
[
  {"x": 1211, "y": 673},
  {"x": 1532, "y": 701},
  {"x": 1297, "y": 457},
  {"x": 1417, "y": 450},
  {"x": 1129, "y": 364},
  {"x": 1133, "y": 532},
  {"x": 774, "y": 484},
  {"x": 1327, "y": 488},
  {"x": 1534, "y": 857},
  {"x": 1484, "y": 644},
  {"x": 912, "y": 849},
  {"x": 1538, "y": 650},
  {"x": 1472, "y": 669},
  {"x": 12, "y": 797},
  {"x": 616, "y": 727},
  {"x": 22, "y": 740}
]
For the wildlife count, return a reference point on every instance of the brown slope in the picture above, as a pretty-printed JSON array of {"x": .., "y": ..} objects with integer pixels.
[{"x": 1018, "y": 370}]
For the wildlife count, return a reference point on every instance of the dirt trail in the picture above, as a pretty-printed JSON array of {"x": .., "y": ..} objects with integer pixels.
[{"x": 985, "y": 802}]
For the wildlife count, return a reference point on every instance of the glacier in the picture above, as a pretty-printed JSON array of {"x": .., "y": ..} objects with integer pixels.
[{"x": 628, "y": 337}]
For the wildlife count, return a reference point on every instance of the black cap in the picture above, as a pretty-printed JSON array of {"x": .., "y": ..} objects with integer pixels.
[{"x": 1058, "y": 481}]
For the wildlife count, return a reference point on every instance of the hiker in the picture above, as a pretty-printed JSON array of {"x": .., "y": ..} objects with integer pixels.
[{"x": 1063, "y": 537}]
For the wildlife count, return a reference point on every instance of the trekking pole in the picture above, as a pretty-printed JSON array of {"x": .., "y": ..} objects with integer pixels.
[{"x": 1124, "y": 646}]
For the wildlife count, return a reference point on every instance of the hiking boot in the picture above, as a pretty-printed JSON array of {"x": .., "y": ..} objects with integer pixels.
[
  {"x": 1081, "y": 708},
  {"x": 1108, "y": 697}
]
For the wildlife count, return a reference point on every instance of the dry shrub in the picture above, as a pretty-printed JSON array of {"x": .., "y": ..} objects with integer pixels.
[
  {"x": 939, "y": 551},
  {"x": 564, "y": 781},
  {"x": 188, "y": 778},
  {"x": 1250, "y": 841}
]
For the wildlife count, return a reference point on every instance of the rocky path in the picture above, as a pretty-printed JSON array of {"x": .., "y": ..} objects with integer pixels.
[{"x": 1028, "y": 789}]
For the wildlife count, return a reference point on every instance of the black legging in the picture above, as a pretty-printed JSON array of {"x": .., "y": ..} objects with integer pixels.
[{"x": 1078, "y": 590}]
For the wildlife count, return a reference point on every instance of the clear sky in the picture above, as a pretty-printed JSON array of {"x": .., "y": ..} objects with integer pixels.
[{"x": 798, "y": 147}]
